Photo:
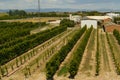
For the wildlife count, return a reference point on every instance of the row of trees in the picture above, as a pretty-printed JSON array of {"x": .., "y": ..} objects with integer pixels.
[
  {"x": 12, "y": 31},
  {"x": 53, "y": 65},
  {"x": 48, "y": 14},
  {"x": 97, "y": 55},
  {"x": 5, "y": 70},
  {"x": 47, "y": 53},
  {"x": 7, "y": 17},
  {"x": 19, "y": 14},
  {"x": 11, "y": 41},
  {"x": 117, "y": 35},
  {"x": 23, "y": 58},
  {"x": 67, "y": 22},
  {"x": 77, "y": 57},
  {"x": 113, "y": 55},
  {"x": 7, "y": 54},
  {"x": 116, "y": 19},
  {"x": 89, "y": 13}
]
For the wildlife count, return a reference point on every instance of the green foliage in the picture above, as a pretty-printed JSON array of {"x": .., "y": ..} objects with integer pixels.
[
  {"x": 53, "y": 65},
  {"x": 17, "y": 63},
  {"x": 77, "y": 57},
  {"x": 50, "y": 14},
  {"x": 15, "y": 30},
  {"x": 92, "y": 13},
  {"x": 116, "y": 19},
  {"x": 117, "y": 35},
  {"x": 20, "y": 46},
  {"x": 97, "y": 55},
  {"x": 67, "y": 22},
  {"x": 113, "y": 56},
  {"x": 2, "y": 71},
  {"x": 63, "y": 70},
  {"x": 73, "y": 68},
  {"x": 20, "y": 14},
  {"x": 17, "y": 13}
]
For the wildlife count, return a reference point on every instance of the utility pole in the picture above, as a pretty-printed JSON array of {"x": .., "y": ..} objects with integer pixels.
[
  {"x": 39, "y": 11},
  {"x": 39, "y": 5}
]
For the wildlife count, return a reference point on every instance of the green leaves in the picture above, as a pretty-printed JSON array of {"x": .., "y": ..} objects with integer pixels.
[
  {"x": 73, "y": 68},
  {"x": 97, "y": 55},
  {"x": 77, "y": 57},
  {"x": 53, "y": 65},
  {"x": 67, "y": 22},
  {"x": 117, "y": 35},
  {"x": 116, "y": 19},
  {"x": 15, "y": 30},
  {"x": 11, "y": 52},
  {"x": 17, "y": 13}
]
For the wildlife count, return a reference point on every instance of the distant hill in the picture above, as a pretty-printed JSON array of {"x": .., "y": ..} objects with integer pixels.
[
  {"x": 63, "y": 10},
  {"x": 69, "y": 10},
  {"x": 52, "y": 10},
  {"x": 3, "y": 10}
]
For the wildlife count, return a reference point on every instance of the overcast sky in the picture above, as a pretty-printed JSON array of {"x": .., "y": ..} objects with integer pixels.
[{"x": 74, "y": 4}]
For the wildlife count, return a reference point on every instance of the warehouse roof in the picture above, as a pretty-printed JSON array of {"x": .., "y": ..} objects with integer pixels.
[{"x": 98, "y": 17}]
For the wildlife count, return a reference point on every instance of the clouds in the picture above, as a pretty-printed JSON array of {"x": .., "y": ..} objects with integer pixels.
[
  {"x": 18, "y": 4},
  {"x": 75, "y": 4}
]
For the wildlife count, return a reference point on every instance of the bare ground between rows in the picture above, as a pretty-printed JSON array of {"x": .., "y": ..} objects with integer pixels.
[
  {"x": 19, "y": 75},
  {"x": 25, "y": 64},
  {"x": 67, "y": 60},
  {"x": 41, "y": 75},
  {"x": 88, "y": 72},
  {"x": 107, "y": 66},
  {"x": 13, "y": 62}
]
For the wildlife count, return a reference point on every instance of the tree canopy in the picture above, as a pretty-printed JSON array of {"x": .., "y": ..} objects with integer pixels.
[
  {"x": 67, "y": 22},
  {"x": 17, "y": 13}
]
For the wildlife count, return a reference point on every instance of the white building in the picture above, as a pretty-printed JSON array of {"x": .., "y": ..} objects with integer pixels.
[
  {"x": 54, "y": 22},
  {"x": 99, "y": 17},
  {"x": 113, "y": 15},
  {"x": 89, "y": 23},
  {"x": 75, "y": 18}
]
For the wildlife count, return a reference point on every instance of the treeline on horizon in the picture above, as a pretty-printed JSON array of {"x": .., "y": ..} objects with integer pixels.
[{"x": 19, "y": 14}]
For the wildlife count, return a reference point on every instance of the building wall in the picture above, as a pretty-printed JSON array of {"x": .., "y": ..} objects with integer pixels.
[
  {"x": 98, "y": 17},
  {"x": 107, "y": 20},
  {"x": 111, "y": 28},
  {"x": 113, "y": 14},
  {"x": 75, "y": 18},
  {"x": 54, "y": 22},
  {"x": 89, "y": 23}
]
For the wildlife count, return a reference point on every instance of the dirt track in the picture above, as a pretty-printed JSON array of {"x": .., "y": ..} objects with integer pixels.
[
  {"x": 56, "y": 44},
  {"x": 107, "y": 67}
]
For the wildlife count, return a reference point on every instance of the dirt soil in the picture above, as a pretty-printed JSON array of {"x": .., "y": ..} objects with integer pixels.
[{"x": 42, "y": 19}]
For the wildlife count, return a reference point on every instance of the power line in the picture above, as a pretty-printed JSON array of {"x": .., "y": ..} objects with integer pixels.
[
  {"x": 39, "y": 6},
  {"x": 39, "y": 10}
]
